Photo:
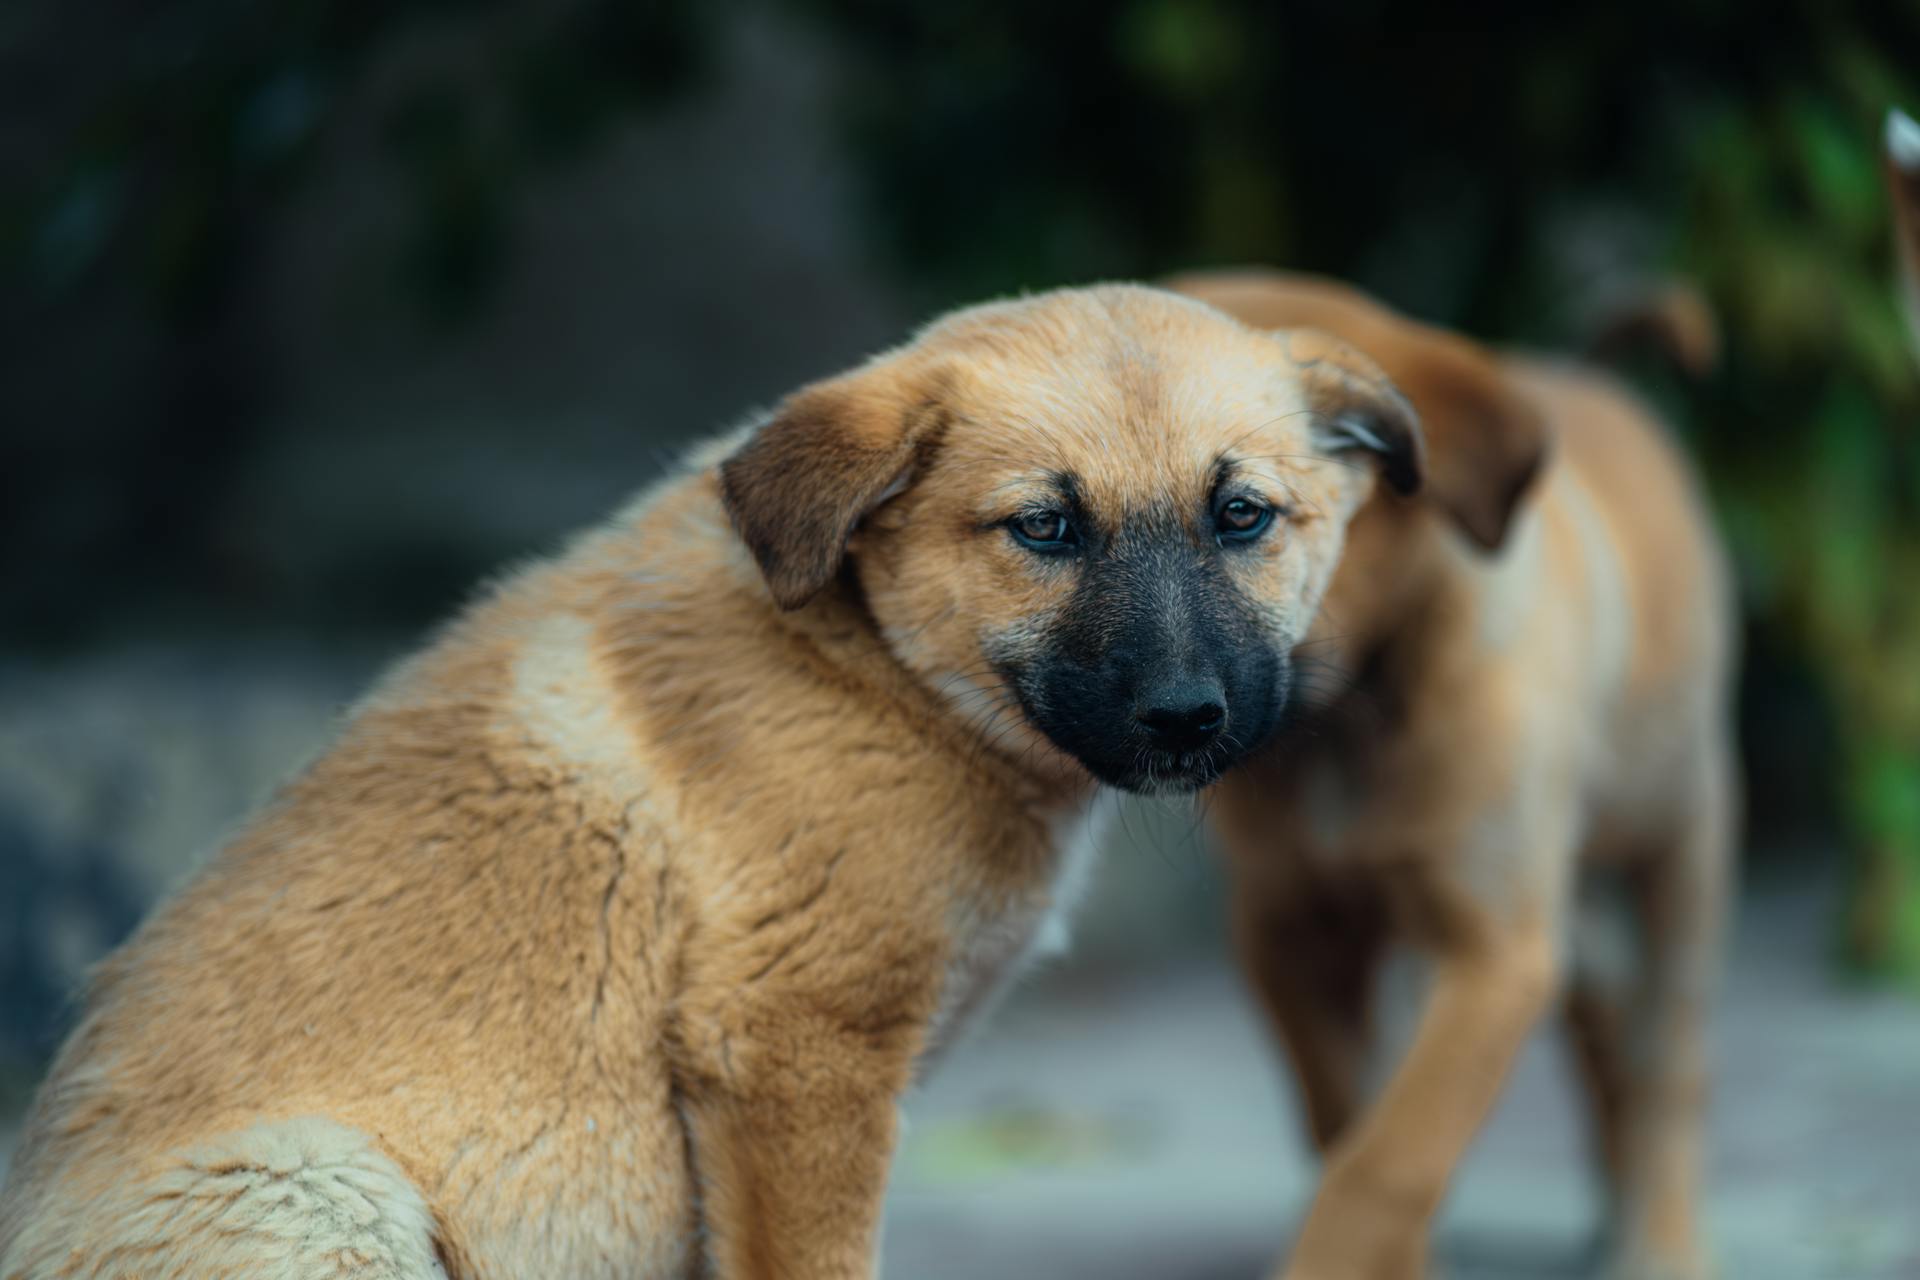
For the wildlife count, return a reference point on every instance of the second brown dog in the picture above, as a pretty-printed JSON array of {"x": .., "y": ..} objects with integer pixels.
[{"x": 1527, "y": 671}]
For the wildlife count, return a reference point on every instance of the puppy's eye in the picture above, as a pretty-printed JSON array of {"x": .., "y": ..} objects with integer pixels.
[
  {"x": 1242, "y": 520},
  {"x": 1043, "y": 531}
]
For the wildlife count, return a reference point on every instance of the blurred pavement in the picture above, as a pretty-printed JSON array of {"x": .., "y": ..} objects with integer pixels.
[{"x": 1141, "y": 1128}]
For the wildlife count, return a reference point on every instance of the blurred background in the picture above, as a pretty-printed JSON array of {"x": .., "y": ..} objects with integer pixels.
[{"x": 314, "y": 314}]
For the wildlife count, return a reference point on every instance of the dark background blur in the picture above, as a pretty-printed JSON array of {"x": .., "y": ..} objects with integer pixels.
[{"x": 316, "y": 313}]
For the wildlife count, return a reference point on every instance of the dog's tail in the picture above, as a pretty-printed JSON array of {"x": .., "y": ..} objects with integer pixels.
[
  {"x": 1902, "y": 149},
  {"x": 1673, "y": 320}
]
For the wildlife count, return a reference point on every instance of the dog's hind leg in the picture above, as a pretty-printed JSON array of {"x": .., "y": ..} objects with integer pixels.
[
  {"x": 1683, "y": 894},
  {"x": 1603, "y": 971},
  {"x": 302, "y": 1199}
]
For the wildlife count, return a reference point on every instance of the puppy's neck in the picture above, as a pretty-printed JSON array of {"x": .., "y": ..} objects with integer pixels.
[
  {"x": 838, "y": 631},
  {"x": 684, "y": 615},
  {"x": 1405, "y": 593}
]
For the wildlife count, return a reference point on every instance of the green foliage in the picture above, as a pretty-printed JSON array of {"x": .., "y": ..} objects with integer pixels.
[{"x": 1814, "y": 438}]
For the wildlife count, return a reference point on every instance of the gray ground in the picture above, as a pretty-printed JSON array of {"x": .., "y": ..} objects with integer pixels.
[{"x": 1123, "y": 1129}]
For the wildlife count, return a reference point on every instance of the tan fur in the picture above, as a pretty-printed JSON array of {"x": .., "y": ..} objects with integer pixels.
[
  {"x": 1490, "y": 723},
  {"x": 606, "y": 938},
  {"x": 1672, "y": 318}
]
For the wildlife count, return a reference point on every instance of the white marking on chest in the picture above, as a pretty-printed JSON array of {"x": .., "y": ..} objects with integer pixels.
[{"x": 993, "y": 948}]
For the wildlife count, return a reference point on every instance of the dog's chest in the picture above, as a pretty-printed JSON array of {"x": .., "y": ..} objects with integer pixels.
[
  {"x": 994, "y": 945},
  {"x": 1331, "y": 795}
]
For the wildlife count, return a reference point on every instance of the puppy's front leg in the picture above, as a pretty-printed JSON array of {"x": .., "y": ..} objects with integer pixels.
[
  {"x": 792, "y": 1163},
  {"x": 1385, "y": 1180}
]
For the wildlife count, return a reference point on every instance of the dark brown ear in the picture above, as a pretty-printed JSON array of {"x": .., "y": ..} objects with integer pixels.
[
  {"x": 1486, "y": 441},
  {"x": 1358, "y": 408},
  {"x": 830, "y": 454}
]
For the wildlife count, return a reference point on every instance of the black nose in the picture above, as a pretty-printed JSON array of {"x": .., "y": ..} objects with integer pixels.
[{"x": 1184, "y": 717}]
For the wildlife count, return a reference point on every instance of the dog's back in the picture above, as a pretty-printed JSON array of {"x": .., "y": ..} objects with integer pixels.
[
  {"x": 314, "y": 1031},
  {"x": 1672, "y": 604}
]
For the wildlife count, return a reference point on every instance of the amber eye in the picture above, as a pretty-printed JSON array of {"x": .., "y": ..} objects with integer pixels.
[
  {"x": 1242, "y": 520},
  {"x": 1042, "y": 531}
]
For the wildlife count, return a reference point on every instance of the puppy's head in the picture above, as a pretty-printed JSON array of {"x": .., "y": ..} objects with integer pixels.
[{"x": 1095, "y": 521}]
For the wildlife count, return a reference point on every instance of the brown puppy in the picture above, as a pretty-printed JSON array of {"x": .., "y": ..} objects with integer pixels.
[
  {"x": 1525, "y": 669},
  {"x": 607, "y": 937}
]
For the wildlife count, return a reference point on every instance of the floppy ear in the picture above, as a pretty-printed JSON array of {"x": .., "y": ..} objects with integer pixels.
[
  {"x": 830, "y": 454},
  {"x": 1486, "y": 442},
  {"x": 1357, "y": 407}
]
